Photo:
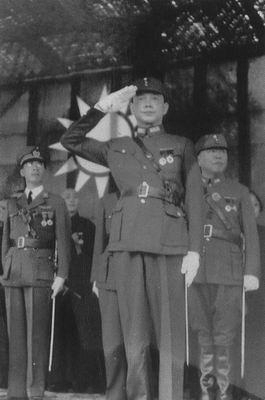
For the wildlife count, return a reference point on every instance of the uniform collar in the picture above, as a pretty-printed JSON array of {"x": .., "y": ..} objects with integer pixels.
[
  {"x": 153, "y": 130},
  {"x": 35, "y": 192},
  {"x": 212, "y": 181}
]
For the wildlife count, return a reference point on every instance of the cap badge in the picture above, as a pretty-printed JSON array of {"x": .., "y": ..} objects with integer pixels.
[
  {"x": 36, "y": 153},
  {"x": 216, "y": 138}
]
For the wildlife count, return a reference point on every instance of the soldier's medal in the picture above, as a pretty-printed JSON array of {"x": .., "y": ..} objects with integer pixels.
[
  {"x": 166, "y": 156},
  {"x": 231, "y": 204},
  {"x": 216, "y": 196},
  {"x": 162, "y": 161},
  {"x": 80, "y": 238},
  {"x": 170, "y": 159},
  {"x": 44, "y": 219},
  {"x": 50, "y": 221}
]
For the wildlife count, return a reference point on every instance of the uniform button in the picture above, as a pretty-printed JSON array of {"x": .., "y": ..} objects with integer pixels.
[
  {"x": 144, "y": 166},
  {"x": 143, "y": 201},
  {"x": 123, "y": 151}
]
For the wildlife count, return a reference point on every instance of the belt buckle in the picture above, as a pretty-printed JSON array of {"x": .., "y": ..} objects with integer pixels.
[
  {"x": 142, "y": 190},
  {"x": 208, "y": 231},
  {"x": 21, "y": 242}
]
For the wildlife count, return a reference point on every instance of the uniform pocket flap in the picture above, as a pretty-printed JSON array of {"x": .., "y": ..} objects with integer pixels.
[
  {"x": 118, "y": 207},
  {"x": 173, "y": 211}
]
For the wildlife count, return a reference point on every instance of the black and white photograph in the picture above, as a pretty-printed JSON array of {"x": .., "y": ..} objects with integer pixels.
[{"x": 132, "y": 195}]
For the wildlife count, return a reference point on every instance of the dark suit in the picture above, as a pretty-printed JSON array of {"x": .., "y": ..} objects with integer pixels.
[
  {"x": 148, "y": 237},
  {"x": 78, "y": 343},
  {"x": 28, "y": 265}
]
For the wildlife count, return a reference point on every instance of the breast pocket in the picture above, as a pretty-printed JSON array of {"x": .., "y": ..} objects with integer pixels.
[{"x": 44, "y": 266}]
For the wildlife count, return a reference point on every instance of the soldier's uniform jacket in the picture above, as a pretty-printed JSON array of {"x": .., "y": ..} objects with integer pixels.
[
  {"x": 231, "y": 245},
  {"x": 29, "y": 238},
  {"x": 150, "y": 224}
]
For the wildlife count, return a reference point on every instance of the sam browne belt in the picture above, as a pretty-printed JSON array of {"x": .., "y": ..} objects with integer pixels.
[
  {"x": 23, "y": 242},
  {"x": 210, "y": 231},
  {"x": 144, "y": 190}
]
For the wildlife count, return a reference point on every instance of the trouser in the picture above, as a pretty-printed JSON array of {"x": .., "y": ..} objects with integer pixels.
[
  {"x": 78, "y": 356},
  {"x": 3, "y": 341},
  {"x": 145, "y": 306},
  {"x": 28, "y": 314},
  {"x": 215, "y": 313}
]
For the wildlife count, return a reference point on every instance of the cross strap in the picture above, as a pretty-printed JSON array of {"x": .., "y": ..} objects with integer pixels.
[
  {"x": 148, "y": 154},
  {"x": 218, "y": 211}
]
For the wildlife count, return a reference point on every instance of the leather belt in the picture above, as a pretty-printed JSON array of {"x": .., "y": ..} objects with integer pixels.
[
  {"x": 210, "y": 231},
  {"x": 23, "y": 242},
  {"x": 144, "y": 190}
]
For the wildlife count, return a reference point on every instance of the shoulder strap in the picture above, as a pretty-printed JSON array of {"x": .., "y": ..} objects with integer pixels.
[
  {"x": 218, "y": 211},
  {"x": 147, "y": 153}
]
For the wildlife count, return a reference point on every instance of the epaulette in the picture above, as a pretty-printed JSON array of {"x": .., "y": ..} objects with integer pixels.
[{"x": 17, "y": 195}]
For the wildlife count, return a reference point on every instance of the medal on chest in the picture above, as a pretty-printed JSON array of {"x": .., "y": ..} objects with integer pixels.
[
  {"x": 166, "y": 156},
  {"x": 47, "y": 214},
  {"x": 230, "y": 204}
]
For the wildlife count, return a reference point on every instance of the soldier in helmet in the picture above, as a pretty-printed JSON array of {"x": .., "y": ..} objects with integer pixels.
[
  {"x": 150, "y": 246},
  {"x": 37, "y": 222},
  {"x": 229, "y": 264}
]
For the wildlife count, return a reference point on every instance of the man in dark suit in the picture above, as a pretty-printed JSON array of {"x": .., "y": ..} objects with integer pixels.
[
  {"x": 149, "y": 245},
  {"x": 78, "y": 362},
  {"x": 37, "y": 222},
  {"x": 229, "y": 264}
]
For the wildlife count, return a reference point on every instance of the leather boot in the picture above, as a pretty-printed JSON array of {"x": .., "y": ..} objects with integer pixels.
[
  {"x": 207, "y": 368},
  {"x": 223, "y": 368}
]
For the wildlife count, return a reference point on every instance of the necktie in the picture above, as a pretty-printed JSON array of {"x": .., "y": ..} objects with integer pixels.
[{"x": 30, "y": 197}]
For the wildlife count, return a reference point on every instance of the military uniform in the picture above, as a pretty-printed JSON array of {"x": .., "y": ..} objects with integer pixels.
[
  {"x": 215, "y": 297},
  {"x": 148, "y": 238},
  {"x": 115, "y": 360},
  {"x": 28, "y": 244}
]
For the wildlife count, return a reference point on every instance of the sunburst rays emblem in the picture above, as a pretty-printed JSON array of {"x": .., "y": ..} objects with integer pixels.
[{"x": 110, "y": 126}]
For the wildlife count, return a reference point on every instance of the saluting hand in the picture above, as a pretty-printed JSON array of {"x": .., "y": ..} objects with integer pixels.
[
  {"x": 190, "y": 265},
  {"x": 116, "y": 101},
  {"x": 57, "y": 286}
]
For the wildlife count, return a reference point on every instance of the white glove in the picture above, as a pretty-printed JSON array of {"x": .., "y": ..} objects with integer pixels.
[
  {"x": 251, "y": 282},
  {"x": 116, "y": 100},
  {"x": 95, "y": 289},
  {"x": 190, "y": 265},
  {"x": 57, "y": 286}
]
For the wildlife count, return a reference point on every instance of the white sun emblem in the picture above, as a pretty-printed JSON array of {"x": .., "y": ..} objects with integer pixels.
[{"x": 110, "y": 126}]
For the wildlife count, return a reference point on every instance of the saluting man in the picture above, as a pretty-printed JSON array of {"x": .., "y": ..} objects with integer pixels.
[
  {"x": 37, "y": 222},
  {"x": 229, "y": 264},
  {"x": 142, "y": 287}
]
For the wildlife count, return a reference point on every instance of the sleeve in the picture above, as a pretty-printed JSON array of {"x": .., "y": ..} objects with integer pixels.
[
  {"x": 6, "y": 235},
  {"x": 252, "y": 248},
  {"x": 75, "y": 140},
  {"x": 193, "y": 198},
  {"x": 63, "y": 237},
  {"x": 100, "y": 240}
]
